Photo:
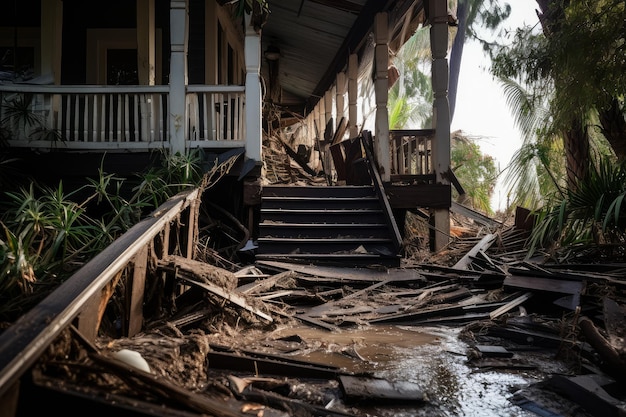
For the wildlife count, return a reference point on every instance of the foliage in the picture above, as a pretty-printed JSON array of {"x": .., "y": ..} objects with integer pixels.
[
  {"x": 583, "y": 53},
  {"x": 476, "y": 172},
  {"x": 593, "y": 214},
  {"x": 18, "y": 117},
  {"x": 484, "y": 14},
  {"x": 572, "y": 76},
  {"x": 49, "y": 233},
  {"x": 410, "y": 98}
]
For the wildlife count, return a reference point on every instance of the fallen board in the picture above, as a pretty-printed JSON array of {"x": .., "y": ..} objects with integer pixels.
[{"x": 358, "y": 388}]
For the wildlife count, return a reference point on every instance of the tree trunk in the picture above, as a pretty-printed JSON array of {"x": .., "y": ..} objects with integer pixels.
[
  {"x": 614, "y": 129},
  {"x": 576, "y": 142},
  {"x": 575, "y": 138},
  {"x": 456, "y": 54}
]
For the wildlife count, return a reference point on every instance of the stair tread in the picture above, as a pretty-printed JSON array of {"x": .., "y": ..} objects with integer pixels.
[
  {"x": 319, "y": 198},
  {"x": 324, "y": 255},
  {"x": 318, "y": 210},
  {"x": 331, "y": 225},
  {"x": 316, "y": 223},
  {"x": 337, "y": 239}
]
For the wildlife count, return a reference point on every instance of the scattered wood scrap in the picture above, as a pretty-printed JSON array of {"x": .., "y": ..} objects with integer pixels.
[{"x": 511, "y": 310}]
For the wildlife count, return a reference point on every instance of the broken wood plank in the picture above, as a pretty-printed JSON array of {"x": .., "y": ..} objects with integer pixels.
[
  {"x": 510, "y": 305},
  {"x": 361, "y": 388},
  {"x": 318, "y": 310},
  {"x": 588, "y": 391},
  {"x": 493, "y": 351},
  {"x": 353, "y": 274},
  {"x": 425, "y": 314},
  {"x": 198, "y": 271},
  {"x": 559, "y": 286},
  {"x": 256, "y": 365},
  {"x": 484, "y": 244},
  {"x": 229, "y": 296},
  {"x": 276, "y": 294},
  {"x": 250, "y": 271},
  {"x": 264, "y": 284},
  {"x": 248, "y": 392},
  {"x": 157, "y": 385}
]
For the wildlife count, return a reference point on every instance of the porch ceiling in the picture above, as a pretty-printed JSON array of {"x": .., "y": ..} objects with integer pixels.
[{"x": 315, "y": 38}]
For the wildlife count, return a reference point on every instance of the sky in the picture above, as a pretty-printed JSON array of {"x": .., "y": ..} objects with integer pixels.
[{"x": 481, "y": 111}]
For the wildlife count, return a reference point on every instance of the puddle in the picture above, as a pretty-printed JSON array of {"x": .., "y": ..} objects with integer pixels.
[
  {"x": 433, "y": 358},
  {"x": 356, "y": 350}
]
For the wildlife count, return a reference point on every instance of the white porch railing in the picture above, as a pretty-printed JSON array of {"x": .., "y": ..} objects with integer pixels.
[
  {"x": 216, "y": 116},
  {"x": 132, "y": 118}
]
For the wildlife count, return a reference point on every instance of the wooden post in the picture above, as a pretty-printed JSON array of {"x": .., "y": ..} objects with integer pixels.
[
  {"x": 353, "y": 94},
  {"x": 51, "y": 39},
  {"x": 441, "y": 119},
  {"x": 136, "y": 291},
  {"x": 253, "y": 92},
  {"x": 146, "y": 58},
  {"x": 178, "y": 75},
  {"x": 146, "y": 52},
  {"x": 210, "y": 42},
  {"x": 51, "y": 50},
  {"x": 381, "y": 88}
]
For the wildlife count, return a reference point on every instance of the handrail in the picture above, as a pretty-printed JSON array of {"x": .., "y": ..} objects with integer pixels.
[
  {"x": 116, "y": 89},
  {"x": 23, "y": 342},
  {"x": 366, "y": 141}
]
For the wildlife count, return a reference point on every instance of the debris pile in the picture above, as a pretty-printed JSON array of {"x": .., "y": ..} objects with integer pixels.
[{"x": 283, "y": 339}]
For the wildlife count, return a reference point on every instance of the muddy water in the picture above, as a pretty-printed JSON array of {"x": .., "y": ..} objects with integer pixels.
[{"x": 433, "y": 358}]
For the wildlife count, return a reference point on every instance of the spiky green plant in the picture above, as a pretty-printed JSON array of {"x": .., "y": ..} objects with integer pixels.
[
  {"x": 18, "y": 118},
  {"x": 48, "y": 233},
  {"x": 593, "y": 214}
]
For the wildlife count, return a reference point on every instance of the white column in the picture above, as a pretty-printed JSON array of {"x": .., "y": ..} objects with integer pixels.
[
  {"x": 441, "y": 120},
  {"x": 381, "y": 88},
  {"x": 178, "y": 75},
  {"x": 340, "y": 98},
  {"x": 353, "y": 94},
  {"x": 328, "y": 110},
  {"x": 253, "y": 92}
]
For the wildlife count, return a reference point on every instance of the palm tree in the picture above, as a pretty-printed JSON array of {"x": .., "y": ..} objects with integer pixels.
[{"x": 574, "y": 69}]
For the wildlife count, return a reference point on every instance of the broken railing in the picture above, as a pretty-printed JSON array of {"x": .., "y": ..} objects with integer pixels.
[
  {"x": 411, "y": 152},
  {"x": 81, "y": 300},
  {"x": 86, "y": 117}
]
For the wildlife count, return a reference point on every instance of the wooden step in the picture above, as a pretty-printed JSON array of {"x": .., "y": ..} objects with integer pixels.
[{"x": 342, "y": 225}]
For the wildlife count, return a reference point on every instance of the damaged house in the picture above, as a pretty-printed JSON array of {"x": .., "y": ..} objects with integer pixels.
[
  {"x": 264, "y": 91},
  {"x": 114, "y": 86}
]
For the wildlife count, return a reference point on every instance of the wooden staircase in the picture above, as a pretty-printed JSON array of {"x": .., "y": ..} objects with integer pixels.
[{"x": 342, "y": 225}]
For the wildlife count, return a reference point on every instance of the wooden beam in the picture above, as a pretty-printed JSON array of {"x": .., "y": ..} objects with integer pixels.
[
  {"x": 484, "y": 244},
  {"x": 412, "y": 197}
]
